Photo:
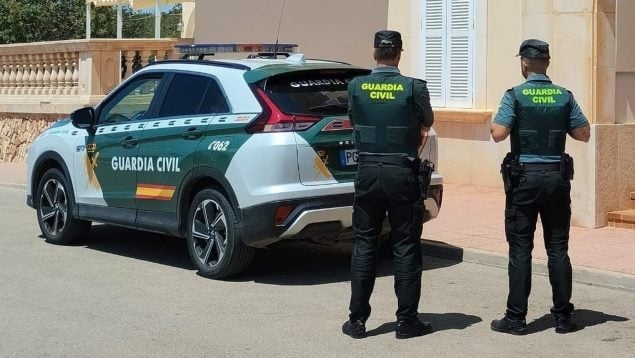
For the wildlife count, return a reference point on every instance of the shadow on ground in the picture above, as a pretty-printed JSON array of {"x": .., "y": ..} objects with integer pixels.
[
  {"x": 289, "y": 263},
  {"x": 583, "y": 317},
  {"x": 439, "y": 322},
  {"x": 140, "y": 245},
  {"x": 301, "y": 263}
]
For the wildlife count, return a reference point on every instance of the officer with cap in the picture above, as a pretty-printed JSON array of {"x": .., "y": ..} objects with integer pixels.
[
  {"x": 391, "y": 114},
  {"x": 537, "y": 172}
]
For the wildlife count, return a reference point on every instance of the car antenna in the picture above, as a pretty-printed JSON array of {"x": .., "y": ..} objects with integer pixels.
[{"x": 275, "y": 48}]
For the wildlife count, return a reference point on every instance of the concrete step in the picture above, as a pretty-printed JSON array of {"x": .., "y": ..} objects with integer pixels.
[
  {"x": 624, "y": 219},
  {"x": 632, "y": 199}
]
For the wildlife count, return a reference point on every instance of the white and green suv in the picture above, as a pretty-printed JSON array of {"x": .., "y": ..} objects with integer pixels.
[{"x": 233, "y": 155}]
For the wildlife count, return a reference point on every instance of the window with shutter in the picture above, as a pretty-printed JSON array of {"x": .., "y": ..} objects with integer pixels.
[{"x": 448, "y": 36}]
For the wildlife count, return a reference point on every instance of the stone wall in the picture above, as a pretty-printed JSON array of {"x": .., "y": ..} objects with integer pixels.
[{"x": 18, "y": 130}]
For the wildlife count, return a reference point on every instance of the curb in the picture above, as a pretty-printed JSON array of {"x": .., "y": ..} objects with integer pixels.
[{"x": 586, "y": 275}]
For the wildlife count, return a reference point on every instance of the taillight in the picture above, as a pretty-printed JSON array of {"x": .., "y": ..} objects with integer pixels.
[{"x": 273, "y": 119}]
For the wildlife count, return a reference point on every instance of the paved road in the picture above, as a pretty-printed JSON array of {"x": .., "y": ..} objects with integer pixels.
[{"x": 126, "y": 293}]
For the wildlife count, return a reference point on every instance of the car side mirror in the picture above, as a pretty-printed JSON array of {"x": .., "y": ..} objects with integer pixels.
[{"x": 84, "y": 118}]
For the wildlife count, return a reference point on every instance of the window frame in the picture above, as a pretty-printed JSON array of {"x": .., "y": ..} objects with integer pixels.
[
  {"x": 168, "y": 84},
  {"x": 164, "y": 77}
]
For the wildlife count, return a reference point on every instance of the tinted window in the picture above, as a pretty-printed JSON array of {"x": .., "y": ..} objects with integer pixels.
[
  {"x": 322, "y": 92},
  {"x": 132, "y": 102},
  {"x": 214, "y": 100},
  {"x": 192, "y": 94}
]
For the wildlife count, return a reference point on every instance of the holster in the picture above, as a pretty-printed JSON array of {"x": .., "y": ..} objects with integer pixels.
[
  {"x": 566, "y": 167},
  {"x": 511, "y": 170},
  {"x": 425, "y": 170}
]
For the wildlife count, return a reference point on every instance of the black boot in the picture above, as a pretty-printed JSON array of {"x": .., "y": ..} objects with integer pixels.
[
  {"x": 355, "y": 329},
  {"x": 508, "y": 325},
  {"x": 565, "y": 325},
  {"x": 408, "y": 328}
]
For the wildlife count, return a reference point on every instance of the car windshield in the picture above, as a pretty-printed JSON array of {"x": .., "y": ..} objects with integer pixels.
[{"x": 321, "y": 92}]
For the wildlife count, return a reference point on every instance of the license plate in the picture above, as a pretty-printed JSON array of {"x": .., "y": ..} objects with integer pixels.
[{"x": 348, "y": 157}]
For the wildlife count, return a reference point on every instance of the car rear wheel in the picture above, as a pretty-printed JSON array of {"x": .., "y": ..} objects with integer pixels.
[
  {"x": 55, "y": 211},
  {"x": 213, "y": 237}
]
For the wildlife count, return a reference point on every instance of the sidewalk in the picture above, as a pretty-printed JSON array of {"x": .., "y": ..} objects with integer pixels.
[{"x": 470, "y": 228}]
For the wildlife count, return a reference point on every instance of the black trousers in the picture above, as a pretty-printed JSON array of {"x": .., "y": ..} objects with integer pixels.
[
  {"x": 548, "y": 194},
  {"x": 381, "y": 188}
]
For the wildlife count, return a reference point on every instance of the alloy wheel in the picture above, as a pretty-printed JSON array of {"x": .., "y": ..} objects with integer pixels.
[
  {"x": 209, "y": 233},
  {"x": 53, "y": 207}
]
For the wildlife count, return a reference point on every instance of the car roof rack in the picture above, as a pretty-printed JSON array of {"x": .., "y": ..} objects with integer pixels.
[{"x": 237, "y": 66}]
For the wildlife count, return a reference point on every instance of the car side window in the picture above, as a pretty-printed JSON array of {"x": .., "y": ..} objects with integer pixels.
[
  {"x": 214, "y": 101},
  {"x": 192, "y": 94},
  {"x": 132, "y": 102}
]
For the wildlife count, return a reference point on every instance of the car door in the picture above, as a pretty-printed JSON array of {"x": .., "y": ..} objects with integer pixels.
[
  {"x": 112, "y": 153},
  {"x": 170, "y": 141}
]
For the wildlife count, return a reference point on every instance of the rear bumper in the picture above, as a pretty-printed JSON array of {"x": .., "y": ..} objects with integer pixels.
[
  {"x": 319, "y": 218},
  {"x": 327, "y": 218},
  {"x": 433, "y": 202}
]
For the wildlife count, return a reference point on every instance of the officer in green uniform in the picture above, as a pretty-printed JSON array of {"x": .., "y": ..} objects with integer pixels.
[
  {"x": 391, "y": 113},
  {"x": 537, "y": 174}
]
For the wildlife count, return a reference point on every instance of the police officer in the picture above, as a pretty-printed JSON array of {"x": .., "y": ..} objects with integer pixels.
[
  {"x": 390, "y": 113},
  {"x": 537, "y": 173}
]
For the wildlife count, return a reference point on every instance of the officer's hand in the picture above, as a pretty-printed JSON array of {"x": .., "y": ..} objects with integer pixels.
[{"x": 425, "y": 135}]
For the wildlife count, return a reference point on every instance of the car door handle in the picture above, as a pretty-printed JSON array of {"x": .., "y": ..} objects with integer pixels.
[
  {"x": 192, "y": 133},
  {"x": 129, "y": 142}
]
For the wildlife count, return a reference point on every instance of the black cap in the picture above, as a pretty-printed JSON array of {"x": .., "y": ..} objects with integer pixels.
[
  {"x": 533, "y": 48},
  {"x": 387, "y": 39}
]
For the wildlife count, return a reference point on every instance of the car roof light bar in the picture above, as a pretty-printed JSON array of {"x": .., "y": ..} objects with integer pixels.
[{"x": 210, "y": 49}]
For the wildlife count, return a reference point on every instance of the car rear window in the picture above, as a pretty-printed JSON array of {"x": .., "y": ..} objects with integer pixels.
[{"x": 322, "y": 92}]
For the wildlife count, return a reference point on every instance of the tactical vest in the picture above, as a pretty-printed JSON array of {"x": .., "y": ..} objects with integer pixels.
[
  {"x": 384, "y": 114},
  {"x": 542, "y": 119}
]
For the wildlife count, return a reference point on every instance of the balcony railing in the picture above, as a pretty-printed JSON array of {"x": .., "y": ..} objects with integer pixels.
[{"x": 56, "y": 77}]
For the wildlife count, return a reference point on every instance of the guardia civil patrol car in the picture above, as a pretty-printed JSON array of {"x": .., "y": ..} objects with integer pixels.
[{"x": 232, "y": 155}]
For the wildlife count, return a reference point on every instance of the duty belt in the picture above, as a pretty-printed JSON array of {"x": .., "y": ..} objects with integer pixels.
[
  {"x": 395, "y": 160},
  {"x": 548, "y": 167}
]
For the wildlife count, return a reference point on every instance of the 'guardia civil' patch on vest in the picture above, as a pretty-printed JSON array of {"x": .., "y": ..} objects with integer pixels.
[
  {"x": 547, "y": 95},
  {"x": 542, "y": 111},
  {"x": 382, "y": 91},
  {"x": 383, "y": 113}
]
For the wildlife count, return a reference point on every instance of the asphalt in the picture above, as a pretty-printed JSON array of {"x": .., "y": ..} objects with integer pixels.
[{"x": 470, "y": 229}]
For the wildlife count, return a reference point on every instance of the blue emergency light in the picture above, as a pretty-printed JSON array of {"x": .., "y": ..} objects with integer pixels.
[{"x": 210, "y": 49}]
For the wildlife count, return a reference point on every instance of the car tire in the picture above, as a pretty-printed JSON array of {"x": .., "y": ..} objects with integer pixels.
[
  {"x": 213, "y": 237},
  {"x": 55, "y": 206}
]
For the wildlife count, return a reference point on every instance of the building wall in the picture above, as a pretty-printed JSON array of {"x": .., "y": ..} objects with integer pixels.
[
  {"x": 188, "y": 19},
  {"x": 616, "y": 105},
  {"x": 330, "y": 29}
]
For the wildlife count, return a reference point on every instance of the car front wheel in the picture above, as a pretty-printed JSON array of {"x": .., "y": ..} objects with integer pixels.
[
  {"x": 213, "y": 237},
  {"x": 55, "y": 211}
]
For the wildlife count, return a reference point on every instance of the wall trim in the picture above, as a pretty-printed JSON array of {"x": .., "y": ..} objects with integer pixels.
[{"x": 462, "y": 115}]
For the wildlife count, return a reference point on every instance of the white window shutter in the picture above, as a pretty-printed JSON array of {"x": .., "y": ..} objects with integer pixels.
[
  {"x": 459, "y": 89},
  {"x": 434, "y": 50}
]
